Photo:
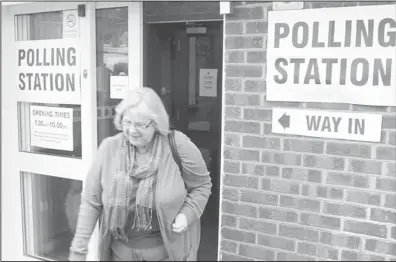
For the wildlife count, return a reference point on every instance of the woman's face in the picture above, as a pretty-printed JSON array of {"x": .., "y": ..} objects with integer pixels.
[{"x": 139, "y": 130}]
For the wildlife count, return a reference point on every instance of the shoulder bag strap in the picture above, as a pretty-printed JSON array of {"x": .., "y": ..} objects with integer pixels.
[{"x": 175, "y": 154}]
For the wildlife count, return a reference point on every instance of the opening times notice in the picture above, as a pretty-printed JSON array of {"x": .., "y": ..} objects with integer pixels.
[{"x": 51, "y": 127}]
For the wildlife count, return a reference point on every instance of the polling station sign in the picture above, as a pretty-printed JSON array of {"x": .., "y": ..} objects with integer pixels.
[
  {"x": 48, "y": 71},
  {"x": 51, "y": 127},
  {"x": 340, "y": 55},
  {"x": 329, "y": 124}
]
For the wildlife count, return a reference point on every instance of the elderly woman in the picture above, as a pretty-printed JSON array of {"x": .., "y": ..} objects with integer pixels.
[{"x": 149, "y": 210}]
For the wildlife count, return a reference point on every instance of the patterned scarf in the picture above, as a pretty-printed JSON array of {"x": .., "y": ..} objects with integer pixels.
[{"x": 122, "y": 189}]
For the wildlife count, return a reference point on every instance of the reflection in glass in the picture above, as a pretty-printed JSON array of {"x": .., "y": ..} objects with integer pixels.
[
  {"x": 50, "y": 208},
  {"x": 39, "y": 26},
  {"x": 111, "y": 61}
]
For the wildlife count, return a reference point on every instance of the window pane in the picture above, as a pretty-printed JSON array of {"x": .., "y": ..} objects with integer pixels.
[
  {"x": 111, "y": 64},
  {"x": 50, "y": 208},
  {"x": 39, "y": 26},
  {"x": 51, "y": 129}
]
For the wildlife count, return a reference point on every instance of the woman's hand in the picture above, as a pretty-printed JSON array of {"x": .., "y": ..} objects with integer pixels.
[{"x": 180, "y": 224}]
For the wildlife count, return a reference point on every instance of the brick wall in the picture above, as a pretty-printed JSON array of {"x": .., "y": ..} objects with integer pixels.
[
  {"x": 297, "y": 198},
  {"x": 180, "y": 11}
]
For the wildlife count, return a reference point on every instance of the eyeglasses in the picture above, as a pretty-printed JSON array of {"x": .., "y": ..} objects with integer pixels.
[{"x": 138, "y": 125}]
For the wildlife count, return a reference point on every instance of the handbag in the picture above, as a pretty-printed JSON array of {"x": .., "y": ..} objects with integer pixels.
[{"x": 175, "y": 154}]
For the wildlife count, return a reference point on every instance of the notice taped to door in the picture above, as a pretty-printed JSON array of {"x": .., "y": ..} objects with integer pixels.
[{"x": 51, "y": 127}]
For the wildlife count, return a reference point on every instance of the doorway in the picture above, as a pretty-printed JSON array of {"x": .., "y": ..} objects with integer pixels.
[{"x": 184, "y": 65}]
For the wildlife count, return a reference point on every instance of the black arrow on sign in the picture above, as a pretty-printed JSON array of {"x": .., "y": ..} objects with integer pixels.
[{"x": 284, "y": 120}]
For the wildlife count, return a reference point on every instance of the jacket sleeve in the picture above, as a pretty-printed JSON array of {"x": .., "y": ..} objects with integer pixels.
[
  {"x": 196, "y": 178},
  {"x": 90, "y": 208}
]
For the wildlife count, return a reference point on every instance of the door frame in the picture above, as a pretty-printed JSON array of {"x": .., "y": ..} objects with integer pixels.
[{"x": 56, "y": 166}]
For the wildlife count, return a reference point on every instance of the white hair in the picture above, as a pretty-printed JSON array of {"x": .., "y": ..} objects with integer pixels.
[{"x": 146, "y": 102}]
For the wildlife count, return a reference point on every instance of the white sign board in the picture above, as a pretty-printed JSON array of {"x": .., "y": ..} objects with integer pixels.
[
  {"x": 48, "y": 71},
  {"x": 118, "y": 87},
  {"x": 51, "y": 127},
  {"x": 208, "y": 82},
  {"x": 341, "y": 55},
  {"x": 327, "y": 124},
  {"x": 71, "y": 24}
]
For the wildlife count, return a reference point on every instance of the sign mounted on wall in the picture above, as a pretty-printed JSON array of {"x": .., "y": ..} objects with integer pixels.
[
  {"x": 312, "y": 57},
  {"x": 71, "y": 25},
  {"x": 208, "y": 82},
  {"x": 327, "y": 124},
  {"x": 51, "y": 127},
  {"x": 48, "y": 71}
]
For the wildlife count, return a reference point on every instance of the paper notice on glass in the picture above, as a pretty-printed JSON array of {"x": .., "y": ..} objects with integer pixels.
[
  {"x": 51, "y": 127},
  {"x": 118, "y": 87},
  {"x": 208, "y": 82},
  {"x": 71, "y": 25}
]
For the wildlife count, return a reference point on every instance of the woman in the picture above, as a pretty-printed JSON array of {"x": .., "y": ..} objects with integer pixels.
[{"x": 149, "y": 210}]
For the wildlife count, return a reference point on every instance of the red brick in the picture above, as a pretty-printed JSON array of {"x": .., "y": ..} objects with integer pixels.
[
  {"x": 257, "y": 27},
  {"x": 299, "y": 145},
  {"x": 350, "y": 150},
  {"x": 256, "y": 57},
  {"x": 389, "y": 122},
  {"x": 235, "y": 57},
  {"x": 234, "y": 28},
  {"x": 340, "y": 240},
  {"x": 386, "y": 153},
  {"x": 261, "y": 142},
  {"x": 365, "y": 228},
  {"x": 317, "y": 250},
  {"x": 242, "y": 126},
  {"x": 364, "y": 197},
  {"x": 392, "y": 138},
  {"x": 346, "y": 179},
  {"x": 332, "y": 106},
  {"x": 239, "y": 154},
  {"x": 382, "y": 215},
  {"x": 393, "y": 233},
  {"x": 240, "y": 181},
  {"x": 272, "y": 171},
  {"x": 232, "y": 167},
  {"x": 390, "y": 169},
  {"x": 228, "y": 246},
  {"x": 348, "y": 255},
  {"x": 272, "y": 104},
  {"x": 231, "y": 194},
  {"x": 257, "y": 114},
  {"x": 267, "y": 129},
  {"x": 322, "y": 192},
  {"x": 242, "y": 99},
  {"x": 365, "y": 166},
  {"x": 229, "y": 221},
  {"x": 301, "y": 174},
  {"x": 282, "y": 256},
  {"x": 257, "y": 226},
  {"x": 281, "y": 158},
  {"x": 259, "y": 198},
  {"x": 386, "y": 184},
  {"x": 239, "y": 209},
  {"x": 280, "y": 186},
  {"x": 278, "y": 214},
  {"x": 345, "y": 210},
  {"x": 257, "y": 252},
  {"x": 253, "y": 169},
  {"x": 232, "y": 139},
  {"x": 232, "y": 112},
  {"x": 306, "y": 204},
  {"x": 326, "y": 162},
  {"x": 320, "y": 221},
  {"x": 244, "y": 42},
  {"x": 301, "y": 233},
  {"x": 255, "y": 86},
  {"x": 242, "y": 13},
  {"x": 244, "y": 71},
  {"x": 238, "y": 235},
  {"x": 390, "y": 201},
  {"x": 232, "y": 84},
  {"x": 381, "y": 247},
  {"x": 231, "y": 257},
  {"x": 276, "y": 242}
]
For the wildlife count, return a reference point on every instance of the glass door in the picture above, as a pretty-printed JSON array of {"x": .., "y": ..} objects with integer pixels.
[{"x": 49, "y": 124}]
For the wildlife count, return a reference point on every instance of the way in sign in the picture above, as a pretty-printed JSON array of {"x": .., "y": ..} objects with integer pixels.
[
  {"x": 327, "y": 124},
  {"x": 331, "y": 124}
]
